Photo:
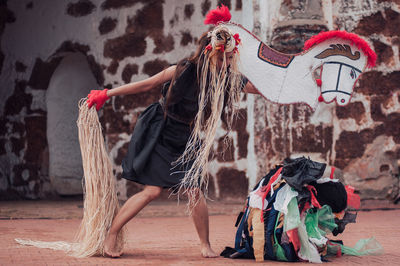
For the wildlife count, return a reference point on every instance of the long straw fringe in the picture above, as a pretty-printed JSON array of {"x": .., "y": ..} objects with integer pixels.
[
  {"x": 100, "y": 201},
  {"x": 201, "y": 140}
]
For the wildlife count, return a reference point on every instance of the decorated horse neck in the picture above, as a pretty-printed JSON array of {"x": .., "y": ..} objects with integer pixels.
[{"x": 338, "y": 58}]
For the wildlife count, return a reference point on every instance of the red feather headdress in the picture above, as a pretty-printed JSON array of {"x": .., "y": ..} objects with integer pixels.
[
  {"x": 360, "y": 43},
  {"x": 220, "y": 14}
]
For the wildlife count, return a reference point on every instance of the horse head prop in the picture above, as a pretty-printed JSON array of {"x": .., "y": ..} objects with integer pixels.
[
  {"x": 341, "y": 63},
  {"x": 326, "y": 70}
]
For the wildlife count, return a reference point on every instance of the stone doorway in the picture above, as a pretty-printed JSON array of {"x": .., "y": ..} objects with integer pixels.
[{"x": 71, "y": 81}]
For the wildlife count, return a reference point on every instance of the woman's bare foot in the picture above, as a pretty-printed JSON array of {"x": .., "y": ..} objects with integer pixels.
[
  {"x": 110, "y": 246},
  {"x": 207, "y": 252}
]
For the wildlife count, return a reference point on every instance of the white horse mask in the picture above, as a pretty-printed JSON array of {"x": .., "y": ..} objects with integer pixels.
[
  {"x": 340, "y": 71},
  {"x": 288, "y": 78}
]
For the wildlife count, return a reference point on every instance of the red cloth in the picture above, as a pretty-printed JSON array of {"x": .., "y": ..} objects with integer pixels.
[
  {"x": 353, "y": 200},
  {"x": 294, "y": 238},
  {"x": 268, "y": 188},
  {"x": 98, "y": 98},
  {"x": 314, "y": 200},
  {"x": 332, "y": 172}
]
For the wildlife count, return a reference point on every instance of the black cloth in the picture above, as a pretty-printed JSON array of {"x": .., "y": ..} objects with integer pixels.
[
  {"x": 155, "y": 143},
  {"x": 158, "y": 140},
  {"x": 182, "y": 104},
  {"x": 341, "y": 223},
  {"x": 301, "y": 171},
  {"x": 333, "y": 194}
]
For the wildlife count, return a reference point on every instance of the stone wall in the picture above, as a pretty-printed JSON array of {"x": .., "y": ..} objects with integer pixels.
[
  {"x": 122, "y": 41},
  {"x": 129, "y": 40},
  {"x": 362, "y": 138},
  {"x": 368, "y": 145}
]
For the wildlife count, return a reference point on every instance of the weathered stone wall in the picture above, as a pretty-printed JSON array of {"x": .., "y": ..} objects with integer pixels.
[
  {"x": 361, "y": 139},
  {"x": 129, "y": 40},
  {"x": 368, "y": 145},
  {"x": 122, "y": 41}
]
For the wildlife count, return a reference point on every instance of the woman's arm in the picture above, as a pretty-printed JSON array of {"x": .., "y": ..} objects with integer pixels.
[
  {"x": 143, "y": 85},
  {"x": 249, "y": 88}
]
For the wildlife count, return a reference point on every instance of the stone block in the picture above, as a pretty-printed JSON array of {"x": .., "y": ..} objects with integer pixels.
[
  {"x": 65, "y": 185},
  {"x": 232, "y": 183}
]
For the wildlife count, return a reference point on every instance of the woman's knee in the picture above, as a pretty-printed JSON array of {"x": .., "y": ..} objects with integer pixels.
[{"x": 152, "y": 192}]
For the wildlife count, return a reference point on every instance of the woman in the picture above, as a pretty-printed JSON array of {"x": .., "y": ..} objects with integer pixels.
[{"x": 172, "y": 139}]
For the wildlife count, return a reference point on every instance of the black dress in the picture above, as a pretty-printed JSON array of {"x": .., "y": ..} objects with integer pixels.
[{"x": 158, "y": 140}]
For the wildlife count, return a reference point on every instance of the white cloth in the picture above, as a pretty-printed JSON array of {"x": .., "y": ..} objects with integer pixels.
[
  {"x": 283, "y": 198},
  {"x": 255, "y": 201}
]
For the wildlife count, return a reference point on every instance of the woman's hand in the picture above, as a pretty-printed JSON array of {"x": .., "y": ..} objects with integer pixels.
[{"x": 98, "y": 98}]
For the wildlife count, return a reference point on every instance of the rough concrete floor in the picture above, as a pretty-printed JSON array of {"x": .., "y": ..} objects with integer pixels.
[{"x": 163, "y": 235}]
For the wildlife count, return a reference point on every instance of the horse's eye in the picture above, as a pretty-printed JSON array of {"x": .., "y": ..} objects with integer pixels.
[{"x": 352, "y": 74}]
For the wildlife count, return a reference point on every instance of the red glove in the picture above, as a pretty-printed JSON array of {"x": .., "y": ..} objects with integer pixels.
[{"x": 97, "y": 97}]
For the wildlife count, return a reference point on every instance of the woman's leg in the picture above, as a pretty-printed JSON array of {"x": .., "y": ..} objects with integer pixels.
[
  {"x": 200, "y": 220},
  {"x": 129, "y": 210}
]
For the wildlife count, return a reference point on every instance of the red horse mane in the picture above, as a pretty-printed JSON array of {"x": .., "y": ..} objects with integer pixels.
[{"x": 354, "y": 38}]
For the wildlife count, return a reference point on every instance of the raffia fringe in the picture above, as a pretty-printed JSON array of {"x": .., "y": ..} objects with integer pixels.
[{"x": 100, "y": 201}]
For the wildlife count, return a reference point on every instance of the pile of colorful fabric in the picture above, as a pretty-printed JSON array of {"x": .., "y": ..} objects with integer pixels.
[{"x": 290, "y": 213}]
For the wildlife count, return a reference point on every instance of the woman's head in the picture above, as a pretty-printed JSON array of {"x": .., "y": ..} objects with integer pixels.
[{"x": 216, "y": 46}]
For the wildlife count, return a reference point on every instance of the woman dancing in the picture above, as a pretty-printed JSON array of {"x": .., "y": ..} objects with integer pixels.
[{"x": 172, "y": 139}]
